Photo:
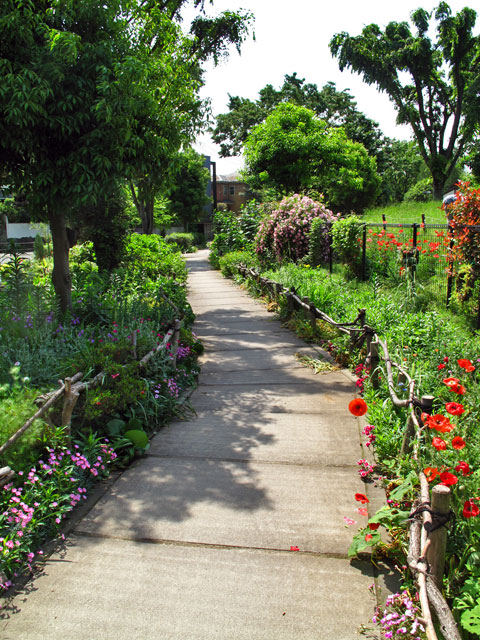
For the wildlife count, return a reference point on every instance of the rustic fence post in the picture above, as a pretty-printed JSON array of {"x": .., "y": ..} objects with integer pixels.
[
  {"x": 364, "y": 252},
  {"x": 374, "y": 362},
  {"x": 441, "y": 496},
  {"x": 176, "y": 338}
]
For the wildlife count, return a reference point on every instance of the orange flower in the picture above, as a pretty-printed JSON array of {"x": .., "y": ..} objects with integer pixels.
[
  {"x": 470, "y": 509},
  {"x": 463, "y": 468},
  {"x": 458, "y": 442},
  {"x": 466, "y": 364},
  {"x": 431, "y": 473},
  {"x": 454, "y": 408},
  {"x": 362, "y": 498},
  {"x": 454, "y": 385},
  {"x": 448, "y": 478},
  {"x": 440, "y": 423},
  {"x": 439, "y": 444},
  {"x": 358, "y": 407}
]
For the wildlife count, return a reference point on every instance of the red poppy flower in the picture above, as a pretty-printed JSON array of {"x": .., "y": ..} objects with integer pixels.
[
  {"x": 445, "y": 359},
  {"x": 373, "y": 526},
  {"x": 458, "y": 442},
  {"x": 454, "y": 385},
  {"x": 454, "y": 408},
  {"x": 439, "y": 444},
  {"x": 463, "y": 468},
  {"x": 362, "y": 498},
  {"x": 440, "y": 423},
  {"x": 424, "y": 416},
  {"x": 441, "y": 366},
  {"x": 448, "y": 478},
  {"x": 466, "y": 364},
  {"x": 358, "y": 407},
  {"x": 368, "y": 537},
  {"x": 430, "y": 473},
  {"x": 362, "y": 511},
  {"x": 470, "y": 509}
]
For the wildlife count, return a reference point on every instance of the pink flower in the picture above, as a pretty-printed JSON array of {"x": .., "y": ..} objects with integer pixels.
[{"x": 349, "y": 521}]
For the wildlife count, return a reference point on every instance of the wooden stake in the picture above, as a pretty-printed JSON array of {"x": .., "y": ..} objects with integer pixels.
[{"x": 441, "y": 496}]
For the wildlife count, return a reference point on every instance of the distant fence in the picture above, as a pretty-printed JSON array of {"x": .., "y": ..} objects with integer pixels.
[{"x": 424, "y": 251}]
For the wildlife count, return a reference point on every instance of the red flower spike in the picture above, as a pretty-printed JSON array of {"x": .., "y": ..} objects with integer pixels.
[
  {"x": 358, "y": 407},
  {"x": 458, "y": 443},
  {"x": 470, "y": 509},
  {"x": 439, "y": 444},
  {"x": 362, "y": 498},
  {"x": 448, "y": 478},
  {"x": 454, "y": 408}
]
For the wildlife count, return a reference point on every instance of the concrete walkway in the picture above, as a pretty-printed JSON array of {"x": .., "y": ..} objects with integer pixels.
[{"x": 194, "y": 541}]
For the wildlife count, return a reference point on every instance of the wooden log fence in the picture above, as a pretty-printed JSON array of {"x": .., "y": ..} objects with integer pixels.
[
  {"x": 71, "y": 388},
  {"x": 427, "y": 531}
]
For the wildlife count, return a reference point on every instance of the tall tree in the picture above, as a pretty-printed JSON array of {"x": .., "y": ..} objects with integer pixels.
[
  {"x": 337, "y": 108},
  {"x": 187, "y": 188},
  {"x": 294, "y": 151},
  {"x": 89, "y": 93},
  {"x": 434, "y": 86}
]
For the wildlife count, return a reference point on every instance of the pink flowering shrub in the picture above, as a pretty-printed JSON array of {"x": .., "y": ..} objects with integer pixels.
[{"x": 284, "y": 234}]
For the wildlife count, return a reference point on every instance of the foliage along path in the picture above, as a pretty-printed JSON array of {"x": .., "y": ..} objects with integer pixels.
[{"x": 233, "y": 525}]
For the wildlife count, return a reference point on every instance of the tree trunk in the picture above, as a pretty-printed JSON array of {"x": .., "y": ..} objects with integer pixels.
[
  {"x": 438, "y": 183},
  {"x": 61, "y": 278},
  {"x": 147, "y": 218}
]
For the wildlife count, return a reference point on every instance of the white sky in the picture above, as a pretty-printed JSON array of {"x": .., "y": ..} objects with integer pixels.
[{"x": 293, "y": 36}]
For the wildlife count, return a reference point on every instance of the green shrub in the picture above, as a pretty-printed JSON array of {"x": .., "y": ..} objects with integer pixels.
[
  {"x": 229, "y": 262},
  {"x": 184, "y": 241},
  {"x": 319, "y": 242},
  {"x": 420, "y": 192},
  {"x": 284, "y": 234},
  {"x": 346, "y": 243}
]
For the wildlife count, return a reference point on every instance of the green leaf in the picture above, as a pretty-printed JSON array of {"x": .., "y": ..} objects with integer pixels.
[
  {"x": 470, "y": 620},
  {"x": 115, "y": 427},
  {"x": 138, "y": 437}
]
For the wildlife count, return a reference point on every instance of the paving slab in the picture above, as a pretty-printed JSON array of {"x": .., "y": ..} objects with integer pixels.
[
  {"x": 325, "y": 394},
  {"x": 253, "y": 339},
  {"x": 225, "y": 502},
  {"x": 254, "y": 359},
  {"x": 117, "y": 590},
  {"x": 282, "y": 437}
]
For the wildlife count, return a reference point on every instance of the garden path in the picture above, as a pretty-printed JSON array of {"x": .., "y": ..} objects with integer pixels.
[{"x": 197, "y": 540}]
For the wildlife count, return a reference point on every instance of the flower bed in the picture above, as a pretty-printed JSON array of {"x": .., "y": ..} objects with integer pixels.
[{"x": 118, "y": 318}]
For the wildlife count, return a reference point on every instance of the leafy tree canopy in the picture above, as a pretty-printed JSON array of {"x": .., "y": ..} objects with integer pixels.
[
  {"x": 187, "y": 188},
  {"x": 434, "y": 85},
  {"x": 337, "y": 108},
  {"x": 295, "y": 151},
  {"x": 93, "y": 92}
]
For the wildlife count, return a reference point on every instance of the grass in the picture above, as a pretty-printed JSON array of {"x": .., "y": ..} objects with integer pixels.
[{"x": 407, "y": 212}]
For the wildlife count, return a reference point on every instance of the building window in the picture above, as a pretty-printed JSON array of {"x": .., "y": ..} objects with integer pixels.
[{"x": 228, "y": 190}]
